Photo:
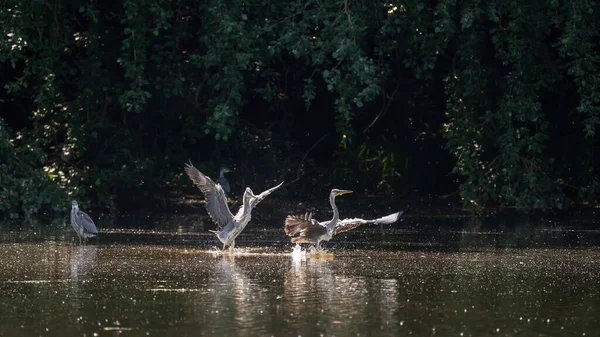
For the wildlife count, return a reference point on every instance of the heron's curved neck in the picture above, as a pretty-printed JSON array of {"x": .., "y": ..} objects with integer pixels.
[
  {"x": 246, "y": 207},
  {"x": 336, "y": 215},
  {"x": 222, "y": 173}
]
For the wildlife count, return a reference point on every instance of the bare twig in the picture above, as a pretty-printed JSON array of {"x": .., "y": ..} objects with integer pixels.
[
  {"x": 448, "y": 195},
  {"x": 348, "y": 13},
  {"x": 298, "y": 171},
  {"x": 569, "y": 185},
  {"x": 383, "y": 111}
]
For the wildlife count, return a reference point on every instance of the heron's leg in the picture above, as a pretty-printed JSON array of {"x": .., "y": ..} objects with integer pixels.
[{"x": 232, "y": 245}]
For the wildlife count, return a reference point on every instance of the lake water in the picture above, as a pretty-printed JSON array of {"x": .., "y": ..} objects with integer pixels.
[{"x": 397, "y": 281}]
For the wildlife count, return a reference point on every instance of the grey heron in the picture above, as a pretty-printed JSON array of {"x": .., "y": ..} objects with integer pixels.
[
  {"x": 229, "y": 225},
  {"x": 223, "y": 181},
  {"x": 305, "y": 229},
  {"x": 82, "y": 223}
]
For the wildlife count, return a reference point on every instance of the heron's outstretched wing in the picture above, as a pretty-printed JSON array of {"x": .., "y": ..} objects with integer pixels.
[
  {"x": 258, "y": 198},
  {"x": 349, "y": 224},
  {"x": 88, "y": 224},
  {"x": 216, "y": 202},
  {"x": 296, "y": 224}
]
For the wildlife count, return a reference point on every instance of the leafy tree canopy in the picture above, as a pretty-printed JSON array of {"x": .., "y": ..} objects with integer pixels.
[{"x": 104, "y": 101}]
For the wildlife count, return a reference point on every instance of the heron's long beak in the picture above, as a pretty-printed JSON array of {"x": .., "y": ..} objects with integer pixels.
[{"x": 343, "y": 192}]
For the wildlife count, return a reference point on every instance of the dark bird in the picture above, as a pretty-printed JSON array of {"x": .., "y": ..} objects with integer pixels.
[
  {"x": 229, "y": 226},
  {"x": 223, "y": 181},
  {"x": 305, "y": 229}
]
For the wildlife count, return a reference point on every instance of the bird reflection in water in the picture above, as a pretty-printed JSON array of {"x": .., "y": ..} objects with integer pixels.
[
  {"x": 307, "y": 287},
  {"x": 338, "y": 297},
  {"x": 236, "y": 297},
  {"x": 388, "y": 300},
  {"x": 308, "y": 276},
  {"x": 82, "y": 260}
]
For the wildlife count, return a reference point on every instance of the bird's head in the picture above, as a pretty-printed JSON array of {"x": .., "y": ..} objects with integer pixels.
[
  {"x": 224, "y": 170},
  {"x": 248, "y": 195},
  {"x": 74, "y": 204},
  {"x": 335, "y": 192}
]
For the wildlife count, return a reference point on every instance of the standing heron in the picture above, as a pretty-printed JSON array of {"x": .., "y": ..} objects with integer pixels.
[
  {"x": 230, "y": 226},
  {"x": 305, "y": 229},
  {"x": 223, "y": 181},
  {"x": 82, "y": 223}
]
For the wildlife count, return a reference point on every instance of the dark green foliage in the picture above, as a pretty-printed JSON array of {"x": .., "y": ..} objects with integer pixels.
[
  {"x": 117, "y": 95},
  {"x": 26, "y": 191},
  {"x": 509, "y": 59}
]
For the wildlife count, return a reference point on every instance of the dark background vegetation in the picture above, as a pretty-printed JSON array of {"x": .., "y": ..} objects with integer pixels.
[{"x": 494, "y": 103}]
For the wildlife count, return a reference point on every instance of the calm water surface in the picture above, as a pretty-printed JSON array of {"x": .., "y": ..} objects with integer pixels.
[{"x": 398, "y": 283}]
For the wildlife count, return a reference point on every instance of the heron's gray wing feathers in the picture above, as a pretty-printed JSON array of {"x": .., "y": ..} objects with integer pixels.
[
  {"x": 297, "y": 224},
  {"x": 350, "y": 224},
  {"x": 216, "y": 202},
  {"x": 87, "y": 222},
  {"x": 255, "y": 201}
]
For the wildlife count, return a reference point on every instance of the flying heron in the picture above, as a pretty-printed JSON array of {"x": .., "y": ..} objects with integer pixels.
[
  {"x": 82, "y": 223},
  {"x": 223, "y": 181},
  {"x": 305, "y": 229},
  {"x": 230, "y": 226}
]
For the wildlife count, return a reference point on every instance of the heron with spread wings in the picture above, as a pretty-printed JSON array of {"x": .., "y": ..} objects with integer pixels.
[
  {"x": 305, "y": 229},
  {"x": 229, "y": 225}
]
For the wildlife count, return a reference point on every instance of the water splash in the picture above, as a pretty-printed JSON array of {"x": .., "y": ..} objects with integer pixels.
[{"x": 298, "y": 254}]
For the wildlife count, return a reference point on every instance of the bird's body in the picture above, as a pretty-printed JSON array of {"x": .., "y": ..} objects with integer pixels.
[
  {"x": 82, "y": 223},
  {"x": 235, "y": 226},
  {"x": 223, "y": 181},
  {"x": 305, "y": 229},
  {"x": 229, "y": 226}
]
